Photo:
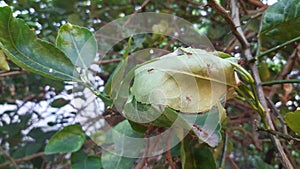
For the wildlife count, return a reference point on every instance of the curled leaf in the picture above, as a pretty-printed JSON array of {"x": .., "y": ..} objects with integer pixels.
[{"x": 192, "y": 81}]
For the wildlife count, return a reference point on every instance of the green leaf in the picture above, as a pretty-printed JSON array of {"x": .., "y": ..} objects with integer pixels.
[
  {"x": 69, "y": 139},
  {"x": 195, "y": 155},
  {"x": 78, "y": 43},
  {"x": 22, "y": 46},
  {"x": 3, "y": 62},
  {"x": 260, "y": 164},
  {"x": 60, "y": 102},
  {"x": 80, "y": 160},
  {"x": 112, "y": 160},
  {"x": 123, "y": 146},
  {"x": 281, "y": 21},
  {"x": 188, "y": 80},
  {"x": 264, "y": 72},
  {"x": 113, "y": 84},
  {"x": 206, "y": 127},
  {"x": 292, "y": 120}
]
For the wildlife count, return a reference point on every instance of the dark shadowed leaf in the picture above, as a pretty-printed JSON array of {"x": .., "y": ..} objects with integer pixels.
[
  {"x": 195, "y": 155},
  {"x": 22, "y": 46},
  {"x": 281, "y": 21},
  {"x": 60, "y": 102},
  {"x": 69, "y": 139},
  {"x": 111, "y": 160},
  {"x": 80, "y": 160}
]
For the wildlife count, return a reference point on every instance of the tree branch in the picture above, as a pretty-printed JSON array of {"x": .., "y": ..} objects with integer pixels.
[
  {"x": 234, "y": 23},
  {"x": 11, "y": 160},
  {"x": 288, "y": 67},
  {"x": 23, "y": 159}
]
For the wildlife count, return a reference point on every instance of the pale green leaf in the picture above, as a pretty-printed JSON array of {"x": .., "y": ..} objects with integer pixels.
[
  {"x": 120, "y": 136},
  {"x": 22, "y": 46},
  {"x": 3, "y": 62},
  {"x": 69, "y": 139},
  {"x": 78, "y": 43},
  {"x": 292, "y": 120},
  {"x": 188, "y": 80}
]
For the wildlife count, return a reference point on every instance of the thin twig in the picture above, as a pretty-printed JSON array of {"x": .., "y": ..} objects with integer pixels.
[
  {"x": 136, "y": 11},
  {"x": 168, "y": 153},
  {"x": 257, "y": 3},
  {"x": 12, "y": 161},
  {"x": 12, "y": 73},
  {"x": 233, "y": 163},
  {"x": 234, "y": 23},
  {"x": 23, "y": 159},
  {"x": 288, "y": 67},
  {"x": 270, "y": 83},
  {"x": 224, "y": 151},
  {"x": 278, "y": 115},
  {"x": 228, "y": 19},
  {"x": 195, "y": 3},
  {"x": 275, "y": 48},
  {"x": 278, "y": 134},
  {"x": 107, "y": 61}
]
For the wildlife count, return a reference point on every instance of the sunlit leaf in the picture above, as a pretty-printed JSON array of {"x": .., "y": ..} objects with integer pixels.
[
  {"x": 292, "y": 120},
  {"x": 3, "y": 62},
  {"x": 192, "y": 81},
  {"x": 78, "y": 43},
  {"x": 69, "y": 139},
  {"x": 22, "y": 46}
]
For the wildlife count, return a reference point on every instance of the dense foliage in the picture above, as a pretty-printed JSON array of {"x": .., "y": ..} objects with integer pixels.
[{"x": 46, "y": 87}]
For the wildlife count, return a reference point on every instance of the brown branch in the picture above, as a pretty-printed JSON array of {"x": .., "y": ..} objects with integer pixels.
[
  {"x": 234, "y": 27},
  {"x": 23, "y": 159},
  {"x": 168, "y": 153},
  {"x": 136, "y": 11},
  {"x": 288, "y": 67},
  {"x": 12, "y": 73},
  {"x": 233, "y": 163},
  {"x": 12, "y": 161},
  {"x": 278, "y": 115},
  {"x": 107, "y": 61},
  {"x": 195, "y": 3},
  {"x": 234, "y": 23},
  {"x": 257, "y": 3}
]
